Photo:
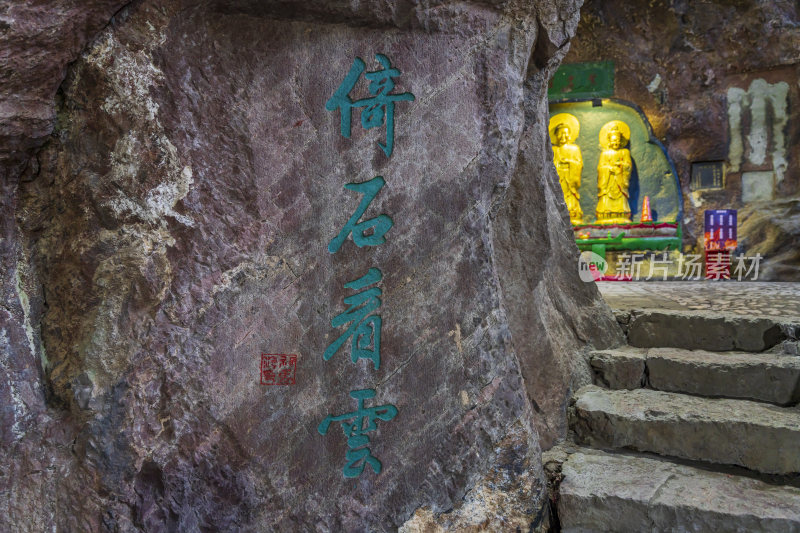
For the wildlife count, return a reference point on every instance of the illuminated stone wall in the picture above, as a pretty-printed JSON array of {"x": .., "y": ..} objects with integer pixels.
[{"x": 719, "y": 83}]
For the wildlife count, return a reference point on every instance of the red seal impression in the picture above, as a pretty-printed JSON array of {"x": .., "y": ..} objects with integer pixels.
[{"x": 278, "y": 369}]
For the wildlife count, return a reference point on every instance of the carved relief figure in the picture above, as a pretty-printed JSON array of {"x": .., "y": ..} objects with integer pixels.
[
  {"x": 564, "y": 129},
  {"x": 614, "y": 174}
]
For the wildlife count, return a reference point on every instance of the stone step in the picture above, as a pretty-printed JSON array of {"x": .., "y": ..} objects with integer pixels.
[
  {"x": 766, "y": 377},
  {"x": 757, "y": 436},
  {"x": 622, "y": 493},
  {"x": 704, "y": 330}
]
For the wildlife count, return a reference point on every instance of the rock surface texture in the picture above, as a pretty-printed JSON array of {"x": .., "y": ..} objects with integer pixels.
[
  {"x": 175, "y": 226},
  {"x": 772, "y": 229}
]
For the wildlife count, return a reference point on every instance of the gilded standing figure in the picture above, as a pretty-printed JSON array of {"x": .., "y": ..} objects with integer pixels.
[
  {"x": 614, "y": 174},
  {"x": 564, "y": 129}
]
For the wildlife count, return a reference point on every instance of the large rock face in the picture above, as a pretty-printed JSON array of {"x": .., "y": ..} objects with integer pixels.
[{"x": 177, "y": 224}]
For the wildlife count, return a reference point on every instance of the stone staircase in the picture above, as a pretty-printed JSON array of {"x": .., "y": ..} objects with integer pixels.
[{"x": 692, "y": 427}]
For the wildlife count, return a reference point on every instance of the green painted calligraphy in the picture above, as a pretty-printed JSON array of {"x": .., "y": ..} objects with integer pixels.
[
  {"x": 364, "y": 331},
  {"x": 355, "y": 425},
  {"x": 379, "y": 225},
  {"x": 379, "y": 108},
  {"x": 360, "y": 319}
]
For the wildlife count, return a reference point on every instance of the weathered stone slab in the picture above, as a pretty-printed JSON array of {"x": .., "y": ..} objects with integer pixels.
[
  {"x": 623, "y": 368},
  {"x": 603, "y": 492},
  {"x": 767, "y": 377},
  {"x": 703, "y": 330},
  {"x": 757, "y": 436}
]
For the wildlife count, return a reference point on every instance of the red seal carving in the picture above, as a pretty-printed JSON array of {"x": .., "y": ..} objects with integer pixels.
[{"x": 278, "y": 369}]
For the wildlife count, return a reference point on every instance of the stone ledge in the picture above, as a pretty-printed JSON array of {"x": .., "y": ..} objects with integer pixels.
[
  {"x": 706, "y": 330},
  {"x": 767, "y": 377},
  {"x": 761, "y": 437}
]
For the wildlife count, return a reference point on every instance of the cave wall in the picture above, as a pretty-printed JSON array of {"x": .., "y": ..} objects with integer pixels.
[
  {"x": 719, "y": 83},
  {"x": 167, "y": 216}
]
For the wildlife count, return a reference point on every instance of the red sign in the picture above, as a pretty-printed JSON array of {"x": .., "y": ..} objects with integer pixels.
[
  {"x": 278, "y": 369},
  {"x": 720, "y": 230}
]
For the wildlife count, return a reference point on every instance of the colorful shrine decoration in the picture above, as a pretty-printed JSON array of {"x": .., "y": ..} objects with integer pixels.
[
  {"x": 719, "y": 242},
  {"x": 621, "y": 164},
  {"x": 720, "y": 229},
  {"x": 360, "y": 323},
  {"x": 582, "y": 80},
  {"x": 647, "y": 214}
]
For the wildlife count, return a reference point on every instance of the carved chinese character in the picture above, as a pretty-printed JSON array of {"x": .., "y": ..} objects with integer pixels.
[
  {"x": 379, "y": 108},
  {"x": 355, "y": 426},
  {"x": 360, "y": 230},
  {"x": 364, "y": 328}
]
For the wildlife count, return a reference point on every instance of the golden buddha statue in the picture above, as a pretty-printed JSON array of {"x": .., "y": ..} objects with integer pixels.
[
  {"x": 614, "y": 174},
  {"x": 564, "y": 129}
]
